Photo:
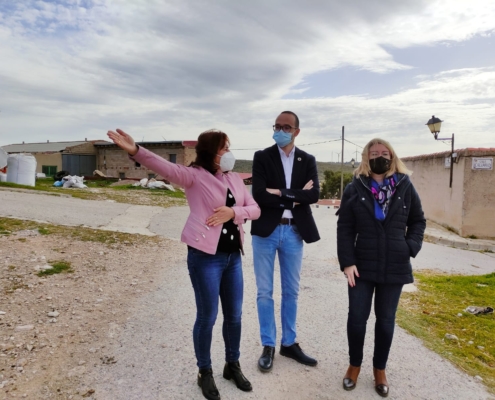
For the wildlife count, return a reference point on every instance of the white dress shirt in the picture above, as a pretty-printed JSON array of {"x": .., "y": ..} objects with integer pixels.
[{"x": 288, "y": 164}]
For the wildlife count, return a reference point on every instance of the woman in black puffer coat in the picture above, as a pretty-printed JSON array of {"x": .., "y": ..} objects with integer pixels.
[{"x": 380, "y": 227}]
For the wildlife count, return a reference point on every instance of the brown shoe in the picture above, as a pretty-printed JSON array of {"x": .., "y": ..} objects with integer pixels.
[
  {"x": 350, "y": 378},
  {"x": 381, "y": 384}
]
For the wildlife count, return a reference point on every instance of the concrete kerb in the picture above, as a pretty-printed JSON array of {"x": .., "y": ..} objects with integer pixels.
[
  {"x": 459, "y": 243},
  {"x": 30, "y": 191}
]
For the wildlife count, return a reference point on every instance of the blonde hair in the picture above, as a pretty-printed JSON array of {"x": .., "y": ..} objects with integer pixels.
[{"x": 396, "y": 165}]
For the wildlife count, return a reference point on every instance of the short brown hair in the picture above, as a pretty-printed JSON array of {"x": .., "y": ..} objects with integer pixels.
[
  {"x": 396, "y": 165},
  {"x": 209, "y": 143}
]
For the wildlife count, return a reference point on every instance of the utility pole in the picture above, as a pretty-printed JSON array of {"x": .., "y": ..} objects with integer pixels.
[{"x": 342, "y": 167}]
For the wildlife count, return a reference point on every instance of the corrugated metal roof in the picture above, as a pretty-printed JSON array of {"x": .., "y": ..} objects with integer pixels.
[
  {"x": 101, "y": 144},
  {"x": 42, "y": 147}
]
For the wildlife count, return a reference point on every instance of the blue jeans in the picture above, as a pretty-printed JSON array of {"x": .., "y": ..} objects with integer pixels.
[
  {"x": 213, "y": 277},
  {"x": 386, "y": 302},
  {"x": 287, "y": 241}
]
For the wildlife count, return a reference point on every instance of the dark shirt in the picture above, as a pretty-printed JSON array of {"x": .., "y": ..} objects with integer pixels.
[{"x": 230, "y": 238}]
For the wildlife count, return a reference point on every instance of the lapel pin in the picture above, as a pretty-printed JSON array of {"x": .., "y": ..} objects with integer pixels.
[{"x": 298, "y": 158}]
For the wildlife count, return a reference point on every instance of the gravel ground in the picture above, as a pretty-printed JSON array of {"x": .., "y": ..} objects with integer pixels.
[
  {"x": 157, "y": 359},
  {"x": 153, "y": 348}
]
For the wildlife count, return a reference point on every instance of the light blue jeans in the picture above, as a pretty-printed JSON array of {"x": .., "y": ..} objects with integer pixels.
[{"x": 287, "y": 242}]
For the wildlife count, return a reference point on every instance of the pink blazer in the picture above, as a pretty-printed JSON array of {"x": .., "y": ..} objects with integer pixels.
[{"x": 204, "y": 192}]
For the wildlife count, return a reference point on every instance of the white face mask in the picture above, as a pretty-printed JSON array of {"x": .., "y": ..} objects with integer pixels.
[{"x": 227, "y": 161}]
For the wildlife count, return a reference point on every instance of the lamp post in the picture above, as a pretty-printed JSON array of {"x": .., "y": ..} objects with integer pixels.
[{"x": 434, "y": 124}]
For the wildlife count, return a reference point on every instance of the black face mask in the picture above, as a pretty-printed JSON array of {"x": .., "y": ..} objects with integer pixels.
[{"x": 379, "y": 165}]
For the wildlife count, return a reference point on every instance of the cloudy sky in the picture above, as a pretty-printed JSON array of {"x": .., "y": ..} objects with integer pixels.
[{"x": 169, "y": 69}]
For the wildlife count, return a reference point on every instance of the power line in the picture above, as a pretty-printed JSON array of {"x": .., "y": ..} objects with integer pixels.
[
  {"x": 299, "y": 145},
  {"x": 354, "y": 143}
]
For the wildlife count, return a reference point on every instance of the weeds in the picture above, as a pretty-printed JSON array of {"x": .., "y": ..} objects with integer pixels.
[
  {"x": 438, "y": 308},
  {"x": 57, "y": 268}
]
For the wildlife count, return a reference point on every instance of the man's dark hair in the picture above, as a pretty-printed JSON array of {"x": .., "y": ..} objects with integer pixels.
[
  {"x": 209, "y": 143},
  {"x": 295, "y": 116}
]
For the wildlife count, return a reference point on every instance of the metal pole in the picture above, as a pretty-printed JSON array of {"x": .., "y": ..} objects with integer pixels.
[
  {"x": 452, "y": 162},
  {"x": 342, "y": 168}
]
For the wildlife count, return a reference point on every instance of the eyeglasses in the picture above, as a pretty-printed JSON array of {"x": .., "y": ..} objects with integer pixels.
[{"x": 285, "y": 128}]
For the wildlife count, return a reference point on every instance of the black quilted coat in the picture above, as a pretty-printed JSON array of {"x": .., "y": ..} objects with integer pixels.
[{"x": 380, "y": 250}]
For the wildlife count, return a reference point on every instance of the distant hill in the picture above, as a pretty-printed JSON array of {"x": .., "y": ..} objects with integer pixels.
[{"x": 247, "y": 166}]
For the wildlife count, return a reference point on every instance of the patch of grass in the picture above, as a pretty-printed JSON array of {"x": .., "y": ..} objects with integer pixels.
[
  {"x": 120, "y": 194},
  {"x": 22, "y": 240},
  {"x": 78, "y": 233},
  {"x": 472, "y": 237},
  {"x": 11, "y": 267},
  {"x": 43, "y": 231},
  {"x": 433, "y": 310},
  {"x": 57, "y": 268}
]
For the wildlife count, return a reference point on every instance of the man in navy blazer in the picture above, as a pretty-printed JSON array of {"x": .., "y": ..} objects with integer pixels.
[{"x": 285, "y": 183}]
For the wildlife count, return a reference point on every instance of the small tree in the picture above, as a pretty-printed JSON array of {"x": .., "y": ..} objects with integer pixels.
[{"x": 331, "y": 184}]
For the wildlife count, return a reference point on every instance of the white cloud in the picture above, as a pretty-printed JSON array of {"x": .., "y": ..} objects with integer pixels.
[{"x": 172, "y": 69}]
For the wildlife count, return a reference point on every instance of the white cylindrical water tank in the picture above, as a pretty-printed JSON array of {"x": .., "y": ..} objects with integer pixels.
[
  {"x": 3, "y": 158},
  {"x": 21, "y": 169}
]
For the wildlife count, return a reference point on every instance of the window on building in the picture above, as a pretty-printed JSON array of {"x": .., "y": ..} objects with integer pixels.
[
  {"x": 173, "y": 158},
  {"x": 137, "y": 165},
  {"x": 49, "y": 170},
  {"x": 122, "y": 175}
]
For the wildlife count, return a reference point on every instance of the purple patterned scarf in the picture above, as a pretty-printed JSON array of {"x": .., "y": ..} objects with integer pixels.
[{"x": 383, "y": 193}]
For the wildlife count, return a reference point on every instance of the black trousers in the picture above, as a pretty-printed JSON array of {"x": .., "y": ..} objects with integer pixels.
[{"x": 386, "y": 302}]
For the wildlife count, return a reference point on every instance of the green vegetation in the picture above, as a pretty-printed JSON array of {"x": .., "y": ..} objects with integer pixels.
[
  {"x": 433, "y": 310},
  {"x": 57, "y": 268},
  {"x": 121, "y": 194},
  {"x": 247, "y": 166},
  {"x": 43, "y": 231},
  {"x": 330, "y": 187},
  {"x": 80, "y": 233}
]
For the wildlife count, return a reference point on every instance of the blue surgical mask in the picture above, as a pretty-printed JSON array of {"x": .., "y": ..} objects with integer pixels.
[{"x": 282, "y": 139}]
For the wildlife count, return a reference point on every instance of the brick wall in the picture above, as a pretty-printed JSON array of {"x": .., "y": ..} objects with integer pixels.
[{"x": 85, "y": 148}]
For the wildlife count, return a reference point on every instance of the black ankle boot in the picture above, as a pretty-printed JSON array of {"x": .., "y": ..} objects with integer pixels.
[
  {"x": 207, "y": 384},
  {"x": 232, "y": 370}
]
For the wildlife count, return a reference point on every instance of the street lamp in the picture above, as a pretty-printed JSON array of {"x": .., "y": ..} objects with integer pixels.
[{"x": 434, "y": 124}]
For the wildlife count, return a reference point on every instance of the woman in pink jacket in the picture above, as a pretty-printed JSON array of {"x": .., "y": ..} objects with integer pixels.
[{"x": 219, "y": 204}]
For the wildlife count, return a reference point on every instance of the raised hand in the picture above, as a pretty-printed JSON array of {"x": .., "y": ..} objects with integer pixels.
[{"x": 124, "y": 141}]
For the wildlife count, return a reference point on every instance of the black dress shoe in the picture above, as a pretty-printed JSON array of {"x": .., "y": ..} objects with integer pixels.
[
  {"x": 232, "y": 370},
  {"x": 207, "y": 384},
  {"x": 297, "y": 354},
  {"x": 265, "y": 363}
]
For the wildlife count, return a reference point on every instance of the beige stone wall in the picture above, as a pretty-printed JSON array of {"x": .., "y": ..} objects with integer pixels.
[
  {"x": 479, "y": 202},
  {"x": 468, "y": 207},
  {"x": 189, "y": 155},
  {"x": 48, "y": 159},
  {"x": 117, "y": 161}
]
